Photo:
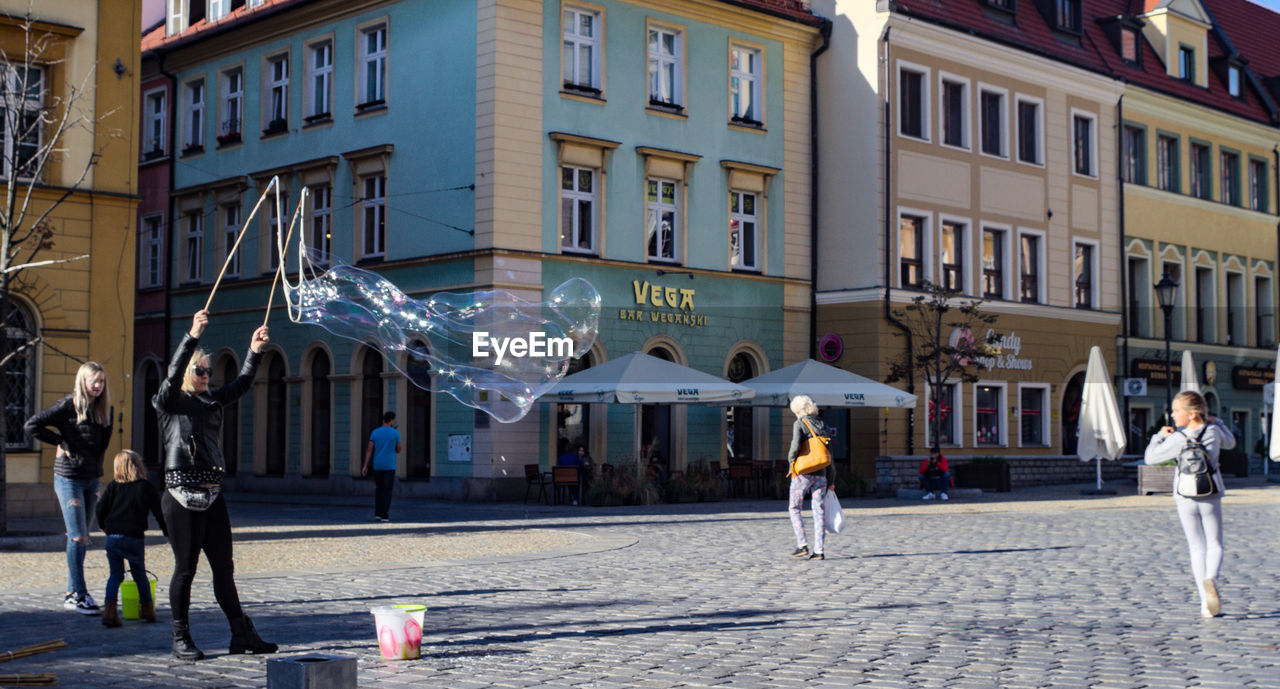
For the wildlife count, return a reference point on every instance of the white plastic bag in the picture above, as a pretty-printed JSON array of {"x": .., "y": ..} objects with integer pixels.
[{"x": 832, "y": 514}]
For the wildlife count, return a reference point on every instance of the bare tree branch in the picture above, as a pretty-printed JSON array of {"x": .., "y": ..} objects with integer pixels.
[{"x": 37, "y": 264}]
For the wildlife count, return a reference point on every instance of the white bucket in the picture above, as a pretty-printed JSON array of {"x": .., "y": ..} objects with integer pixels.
[{"x": 399, "y": 630}]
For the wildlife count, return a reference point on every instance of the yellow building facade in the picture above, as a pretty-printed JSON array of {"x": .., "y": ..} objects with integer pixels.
[{"x": 83, "y": 309}]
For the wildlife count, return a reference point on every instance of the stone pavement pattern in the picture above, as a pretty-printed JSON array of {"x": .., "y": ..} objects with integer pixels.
[{"x": 1035, "y": 593}]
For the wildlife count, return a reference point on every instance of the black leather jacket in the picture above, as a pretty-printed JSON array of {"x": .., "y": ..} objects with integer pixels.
[
  {"x": 192, "y": 424},
  {"x": 86, "y": 441}
]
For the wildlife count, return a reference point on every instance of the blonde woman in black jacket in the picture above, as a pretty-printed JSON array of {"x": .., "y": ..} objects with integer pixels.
[
  {"x": 190, "y": 416},
  {"x": 79, "y": 425}
]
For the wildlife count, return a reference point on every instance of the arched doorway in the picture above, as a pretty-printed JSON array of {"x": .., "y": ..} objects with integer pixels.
[
  {"x": 417, "y": 418},
  {"x": 573, "y": 421},
  {"x": 226, "y": 372},
  {"x": 321, "y": 403},
  {"x": 655, "y": 424},
  {"x": 370, "y": 396},
  {"x": 739, "y": 433},
  {"x": 1071, "y": 413},
  {"x": 277, "y": 416}
]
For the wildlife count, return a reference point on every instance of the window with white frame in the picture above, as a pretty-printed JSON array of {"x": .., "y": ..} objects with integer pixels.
[
  {"x": 277, "y": 85},
  {"x": 194, "y": 129},
  {"x": 1033, "y": 415},
  {"x": 988, "y": 414},
  {"x": 21, "y": 113},
  {"x": 994, "y": 255},
  {"x": 745, "y": 79},
  {"x": 232, "y": 105},
  {"x": 945, "y": 412},
  {"x": 743, "y": 231},
  {"x": 373, "y": 66},
  {"x": 955, "y": 112},
  {"x": 1233, "y": 81},
  {"x": 231, "y": 230},
  {"x": 666, "y": 67},
  {"x": 662, "y": 218},
  {"x": 156, "y": 121},
  {"x": 1167, "y": 163},
  {"x": 1084, "y": 143},
  {"x": 992, "y": 124},
  {"x": 1029, "y": 130},
  {"x": 20, "y": 374},
  {"x": 319, "y": 95},
  {"x": 1206, "y": 299},
  {"x": 581, "y": 55},
  {"x": 952, "y": 255},
  {"x": 151, "y": 273},
  {"x": 322, "y": 220},
  {"x": 1258, "y": 184},
  {"x": 175, "y": 16},
  {"x": 1030, "y": 254},
  {"x": 373, "y": 207},
  {"x": 218, "y": 9},
  {"x": 1264, "y": 312},
  {"x": 1140, "y": 312},
  {"x": 913, "y": 101},
  {"x": 195, "y": 245},
  {"x": 1084, "y": 275},
  {"x": 577, "y": 208},
  {"x": 1236, "y": 323},
  {"x": 911, "y": 250}
]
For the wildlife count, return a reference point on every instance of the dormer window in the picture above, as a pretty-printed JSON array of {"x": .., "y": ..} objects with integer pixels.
[
  {"x": 1005, "y": 5},
  {"x": 1068, "y": 15},
  {"x": 1233, "y": 81},
  {"x": 1187, "y": 63},
  {"x": 1130, "y": 47}
]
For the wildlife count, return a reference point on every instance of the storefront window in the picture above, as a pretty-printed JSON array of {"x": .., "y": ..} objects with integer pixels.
[
  {"x": 573, "y": 421},
  {"x": 988, "y": 418},
  {"x": 1031, "y": 412},
  {"x": 943, "y": 411}
]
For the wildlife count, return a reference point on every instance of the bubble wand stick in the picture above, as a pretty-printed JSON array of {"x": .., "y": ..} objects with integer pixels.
[
  {"x": 282, "y": 249},
  {"x": 275, "y": 182}
]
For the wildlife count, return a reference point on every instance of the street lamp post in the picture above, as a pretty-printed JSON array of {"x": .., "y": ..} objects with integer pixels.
[{"x": 1166, "y": 292}]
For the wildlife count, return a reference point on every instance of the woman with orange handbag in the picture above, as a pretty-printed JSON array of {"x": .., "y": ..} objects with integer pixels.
[{"x": 808, "y": 438}]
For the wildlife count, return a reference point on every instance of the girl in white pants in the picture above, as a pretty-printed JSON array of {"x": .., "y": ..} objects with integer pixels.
[{"x": 1201, "y": 517}]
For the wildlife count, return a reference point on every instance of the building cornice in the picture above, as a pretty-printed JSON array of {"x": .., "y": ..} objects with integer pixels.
[
  {"x": 1139, "y": 99},
  {"x": 1003, "y": 308}
]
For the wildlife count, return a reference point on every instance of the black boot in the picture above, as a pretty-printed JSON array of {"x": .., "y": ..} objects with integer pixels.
[
  {"x": 245, "y": 639},
  {"x": 183, "y": 647}
]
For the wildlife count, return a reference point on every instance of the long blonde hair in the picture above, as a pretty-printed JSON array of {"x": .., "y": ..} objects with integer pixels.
[
  {"x": 85, "y": 405},
  {"x": 189, "y": 376},
  {"x": 128, "y": 467}
]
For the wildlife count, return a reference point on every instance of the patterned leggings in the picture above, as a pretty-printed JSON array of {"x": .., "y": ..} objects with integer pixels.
[{"x": 814, "y": 485}]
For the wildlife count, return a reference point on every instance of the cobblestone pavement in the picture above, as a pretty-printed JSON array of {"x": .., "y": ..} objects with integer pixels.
[{"x": 1033, "y": 589}]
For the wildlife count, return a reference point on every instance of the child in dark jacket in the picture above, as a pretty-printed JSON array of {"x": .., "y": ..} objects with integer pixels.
[{"x": 122, "y": 514}]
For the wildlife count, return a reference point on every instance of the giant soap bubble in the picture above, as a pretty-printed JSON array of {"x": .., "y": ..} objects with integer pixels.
[{"x": 488, "y": 349}]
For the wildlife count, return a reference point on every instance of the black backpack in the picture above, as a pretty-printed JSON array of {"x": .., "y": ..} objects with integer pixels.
[{"x": 1195, "y": 471}]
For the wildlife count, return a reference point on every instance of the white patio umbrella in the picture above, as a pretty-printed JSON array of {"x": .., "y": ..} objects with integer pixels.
[
  {"x": 638, "y": 378},
  {"x": 1273, "y": 451},
  {"x": 1190, "y": 381},
  {"x": 827, "y": 385},
  {"x": 1102, "y": 432}
]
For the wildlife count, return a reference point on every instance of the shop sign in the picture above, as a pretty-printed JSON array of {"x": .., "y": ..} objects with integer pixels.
[
  {"x": 678, "y": 298},
  {"x": 1153, "y": 370},
  {"x": 1250, "y": 378},
  {"x": 1005, "y": 352}
]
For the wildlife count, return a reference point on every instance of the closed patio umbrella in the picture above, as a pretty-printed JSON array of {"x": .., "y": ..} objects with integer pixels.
[
  {"x": 1102, "y": 432},
  {"x": 1190, "y": 381}
]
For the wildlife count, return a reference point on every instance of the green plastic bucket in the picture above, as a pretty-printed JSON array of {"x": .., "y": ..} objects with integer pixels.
[{"x": 130, "y": 606}]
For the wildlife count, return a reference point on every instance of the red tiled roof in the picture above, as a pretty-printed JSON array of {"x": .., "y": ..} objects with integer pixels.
[
  {"x": 1254, "y": 31},
  {"x": 1095, "y": 52}
]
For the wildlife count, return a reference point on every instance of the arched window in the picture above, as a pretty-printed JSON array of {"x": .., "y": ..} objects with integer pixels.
[
  {"x": 417, "y": 418},
  {"x": 321, "y": 401},
  {"x": 19, "y": 376},
  {"x": 740, "y": 439},
  {"x": 370, "y": 396},
  {"x": 573, "y": 421},
  {"x": 277, "y": 416},
  {"x": 226, "y": 371}
]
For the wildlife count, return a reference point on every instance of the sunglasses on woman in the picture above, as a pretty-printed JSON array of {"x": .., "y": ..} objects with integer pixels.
[{"x": 201, "y": 371}]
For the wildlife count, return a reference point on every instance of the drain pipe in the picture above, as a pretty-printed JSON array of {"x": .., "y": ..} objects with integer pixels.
[
  {"x": 886, "y": 77},
  {"x": 825, "y": 31}
]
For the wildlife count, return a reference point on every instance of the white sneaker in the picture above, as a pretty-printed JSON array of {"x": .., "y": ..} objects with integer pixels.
[
  {"x": 69, "y": 601},
  {"x": 944, "y": 497},
  {"x": 928, "y": 496},
  {"x": 86, "y": 606}
]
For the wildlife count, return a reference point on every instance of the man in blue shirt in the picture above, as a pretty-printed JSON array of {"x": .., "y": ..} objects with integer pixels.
[{"x": 384, "y": 445}]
